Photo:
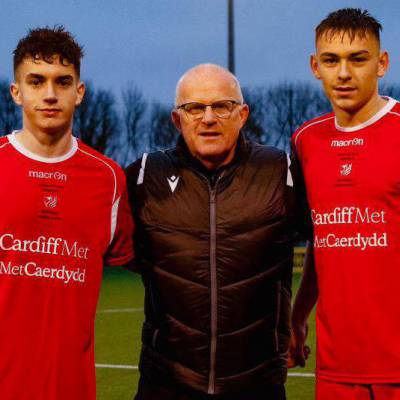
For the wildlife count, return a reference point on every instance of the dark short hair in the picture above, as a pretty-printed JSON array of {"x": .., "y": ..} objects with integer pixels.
[
  {"x": 353, "y": 21},
  {"x": 44, "y": 43}
]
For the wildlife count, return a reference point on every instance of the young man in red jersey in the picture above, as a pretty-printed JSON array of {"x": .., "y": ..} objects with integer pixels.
[
  {"x": 65, "y": 213},
  {"x": 349, "y": 161}
]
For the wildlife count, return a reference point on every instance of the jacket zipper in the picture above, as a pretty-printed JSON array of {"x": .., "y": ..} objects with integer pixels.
[{"x": 213, "y": 278}]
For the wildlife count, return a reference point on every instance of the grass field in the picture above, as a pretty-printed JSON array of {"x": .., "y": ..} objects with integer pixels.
[{"x": 118, "y": 328}]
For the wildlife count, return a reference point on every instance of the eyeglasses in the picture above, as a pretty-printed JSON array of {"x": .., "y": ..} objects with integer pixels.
[{"x": 221, "y": 109}]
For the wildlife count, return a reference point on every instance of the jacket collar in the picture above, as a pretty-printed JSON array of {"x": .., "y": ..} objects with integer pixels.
[{"x": 241, "y": 151}]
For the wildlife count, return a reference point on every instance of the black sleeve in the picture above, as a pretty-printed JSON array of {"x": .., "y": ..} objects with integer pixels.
[
  {"x": 302, "y": 219},
  {"x": 132, "y": 174}
]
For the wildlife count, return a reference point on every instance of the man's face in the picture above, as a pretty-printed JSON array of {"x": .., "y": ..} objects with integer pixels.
[
  {"x": 211, "y": 139},
  {"x": 48, "y": 94},
  {"x": 349, "y": 69}
]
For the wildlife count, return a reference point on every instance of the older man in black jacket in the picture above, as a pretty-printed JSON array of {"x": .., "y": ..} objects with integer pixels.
[{"x": 215, "y": 251}]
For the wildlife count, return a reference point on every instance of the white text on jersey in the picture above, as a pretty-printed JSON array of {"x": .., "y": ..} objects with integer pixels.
[
  {"x": 346, "y": 143},
  {"x": 58, "y": 176},
  {"x": 44, "y": 245}
]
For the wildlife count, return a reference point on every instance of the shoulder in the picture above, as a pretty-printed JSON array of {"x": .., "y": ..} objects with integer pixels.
[
  {"x": 395, "y": 111},
  {"x": 4, "y": 142},
  {"x": 311, "y": 126},
  {"x": 267, "y": 157},
  {"x": 101, "y": 161},
  {"x": 104, "y": 166},
  {"x": 157, "y": 160},
  {"x": 267, "y": 153}
]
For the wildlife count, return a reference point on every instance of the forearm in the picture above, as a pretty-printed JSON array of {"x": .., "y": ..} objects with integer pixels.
[{"x": 307, "y": 294}]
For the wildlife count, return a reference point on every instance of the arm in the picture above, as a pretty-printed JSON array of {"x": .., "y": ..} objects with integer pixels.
[
  {"x": 304, "y": 303},
  {"x": 132, "y": 173}
]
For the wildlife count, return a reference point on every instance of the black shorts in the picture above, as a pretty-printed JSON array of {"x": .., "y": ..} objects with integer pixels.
[{"x": 172, "y": 391}]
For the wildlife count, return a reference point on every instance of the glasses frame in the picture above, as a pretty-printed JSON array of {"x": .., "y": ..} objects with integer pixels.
[{"x": 201, "y": 115}]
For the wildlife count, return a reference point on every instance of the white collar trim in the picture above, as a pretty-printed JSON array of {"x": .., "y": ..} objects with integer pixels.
[
  {"x": 49, "y": 160},
  {"x": 381, "y": 113}
]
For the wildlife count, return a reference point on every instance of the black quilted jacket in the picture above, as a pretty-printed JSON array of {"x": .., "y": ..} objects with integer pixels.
[{"x": 215, "y": 252}]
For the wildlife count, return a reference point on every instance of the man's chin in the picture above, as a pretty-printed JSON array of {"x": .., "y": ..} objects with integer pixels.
[
  {"x": 214, "y": 157},
  {"x": 347, "y": 104},
  {"x": 52, "y": 127}
]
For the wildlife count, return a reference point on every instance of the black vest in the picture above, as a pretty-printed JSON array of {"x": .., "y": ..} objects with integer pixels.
[{"x": 216, "y": 260}]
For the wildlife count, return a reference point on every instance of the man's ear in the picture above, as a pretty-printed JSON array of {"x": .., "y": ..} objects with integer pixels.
[
  {"x": 244, "y": 114},
  {"x": 383, "y": 64},
  {"x": 176, "y": 119},
  {"x": 314, "y": 66},
  {"x": 16, "y": 93},
  {"x": 80, "y": 91}
]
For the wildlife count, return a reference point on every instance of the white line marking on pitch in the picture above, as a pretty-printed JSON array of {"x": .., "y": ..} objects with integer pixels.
[
  {"x": 119, "y": 310},
  {"x": 113, "y": 366},
  {"x": 135, "y": 367},
  {"x": 302, "y": 374}
]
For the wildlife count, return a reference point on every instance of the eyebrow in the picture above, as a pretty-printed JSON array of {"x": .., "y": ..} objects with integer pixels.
[
  {"x": 355, "y": 54},
  {"x": 38, "y": 76}
]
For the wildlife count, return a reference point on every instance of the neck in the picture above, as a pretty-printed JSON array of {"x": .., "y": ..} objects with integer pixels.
[
  {"x": 353, "y": 118},
  {"x": 217, "y": 162},
  {"x": 49, "y": 145}
]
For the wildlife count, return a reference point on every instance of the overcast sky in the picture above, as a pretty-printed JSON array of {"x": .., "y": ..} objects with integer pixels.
[{"x": 151, "y": 43}]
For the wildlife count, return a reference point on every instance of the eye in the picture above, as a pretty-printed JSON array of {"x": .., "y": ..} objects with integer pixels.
[
  {"x": 222, "y": 106},
  {"x": 64, "y": 82},
  {"x": 35, "y": 82},
  {"x": 329, "y": 60},
  {"x": 194, "y": 108}
]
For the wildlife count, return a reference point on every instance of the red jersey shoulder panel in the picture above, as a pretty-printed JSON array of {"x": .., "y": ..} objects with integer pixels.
[
  {"x": 395, "y": 110},
  {"x": 107, "y": 164},
  {"x": 4, "y": 142},
  {"x": 326, "y": 118}
]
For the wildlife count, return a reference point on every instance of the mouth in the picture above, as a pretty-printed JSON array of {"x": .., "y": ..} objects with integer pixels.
[
  {"x": 49, "y": 111},
  {"x": 210, "y": 134},
  {"x": 344, "y": 90}
]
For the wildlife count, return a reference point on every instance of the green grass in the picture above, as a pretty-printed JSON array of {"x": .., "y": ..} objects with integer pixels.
[{"x": 118, "y": 339}]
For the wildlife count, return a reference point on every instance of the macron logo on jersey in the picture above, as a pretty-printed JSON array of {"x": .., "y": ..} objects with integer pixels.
[
  {"x": 347, "y": 143},
  {"x": 58, "y": 176}
]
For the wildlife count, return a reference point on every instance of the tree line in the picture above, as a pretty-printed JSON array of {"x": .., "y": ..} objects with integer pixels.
[{"x": 125, "y": 129}]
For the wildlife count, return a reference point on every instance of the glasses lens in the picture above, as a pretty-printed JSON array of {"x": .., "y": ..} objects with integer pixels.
[
  {"x": 195, "y": 109},
  {"x": 222, "y": 109}
]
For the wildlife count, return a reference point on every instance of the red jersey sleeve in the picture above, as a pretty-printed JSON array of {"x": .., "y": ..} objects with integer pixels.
[
  {"x": 303, "y": 220},
  {"x": 120, "y": 251}
]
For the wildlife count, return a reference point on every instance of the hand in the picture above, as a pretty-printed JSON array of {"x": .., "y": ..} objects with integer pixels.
[{"x": 298, "y": 350}]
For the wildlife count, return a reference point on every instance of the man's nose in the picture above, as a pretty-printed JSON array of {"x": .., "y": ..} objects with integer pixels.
[
  {"x": 344, "y": 71},
  {"x": 209, "y": 116},
  {"x": 50, "y": 95}
]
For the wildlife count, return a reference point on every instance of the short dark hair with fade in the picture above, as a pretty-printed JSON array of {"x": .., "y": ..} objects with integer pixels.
[
  {"x": 44, "y": 43},
  {"x": 353, "y": 21}
]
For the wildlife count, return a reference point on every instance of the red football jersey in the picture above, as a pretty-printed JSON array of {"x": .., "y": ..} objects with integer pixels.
[
  {"x": 352, "y": 178},
  {"x": 62, "y": 218}
]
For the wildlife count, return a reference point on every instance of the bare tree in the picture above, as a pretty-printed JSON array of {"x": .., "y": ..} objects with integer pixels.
[
  {"x": 162, "y": 132},
  {"x": 96, "y": 120},
  {"x": 256, "y": 127},
  {"x": 10, "y": 116},
  {"x": 277, "y": 111},
  {"x": 131, "y": 142},
  {"x": 290, "y": 105},
  {"x": 391, "y": 90}
]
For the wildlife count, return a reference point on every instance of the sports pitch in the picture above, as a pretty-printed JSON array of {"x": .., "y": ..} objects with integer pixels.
[{"x": 118, "y": 330}]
